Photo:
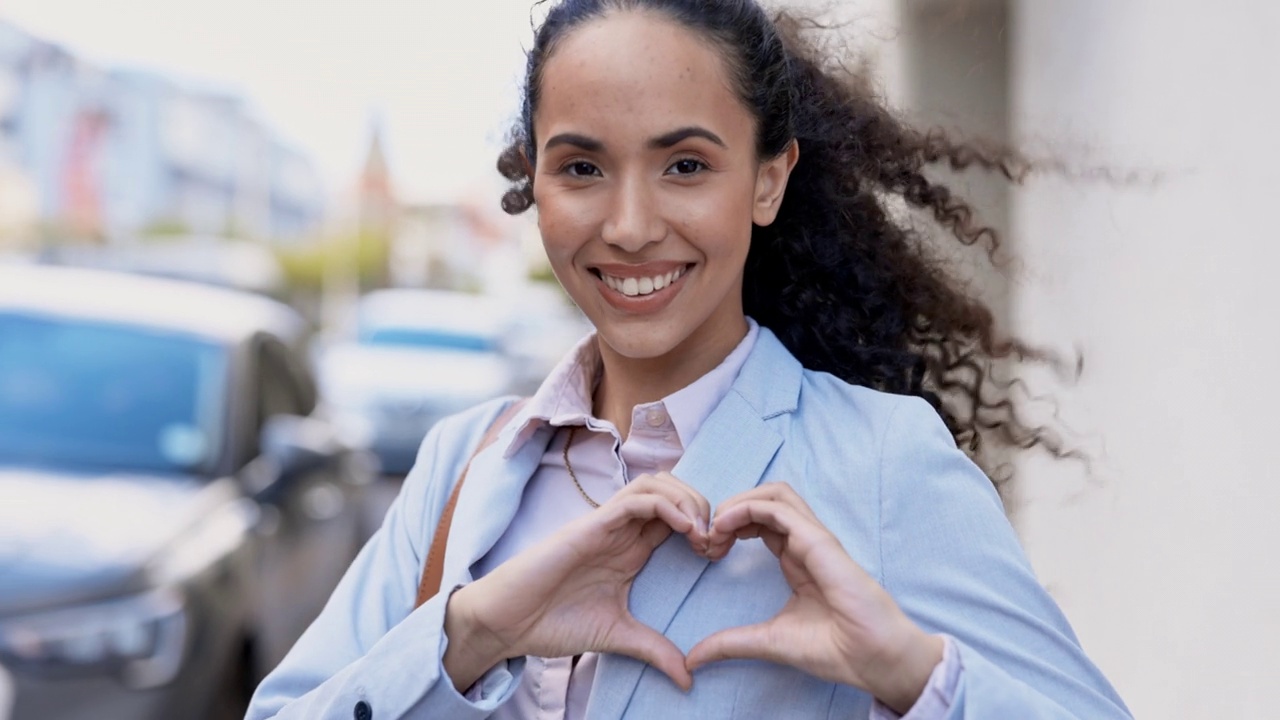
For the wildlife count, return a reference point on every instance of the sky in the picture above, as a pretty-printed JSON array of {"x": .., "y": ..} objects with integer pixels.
[{"x": 440, "y": 77}]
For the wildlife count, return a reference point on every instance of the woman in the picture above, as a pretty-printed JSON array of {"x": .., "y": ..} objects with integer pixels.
[{"x": 714, "y": 202}]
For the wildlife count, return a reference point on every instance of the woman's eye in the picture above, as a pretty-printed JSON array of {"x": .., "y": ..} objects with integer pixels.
[
  {"x": 686, "y": 167},
  {"x": 581, "y": 169}
]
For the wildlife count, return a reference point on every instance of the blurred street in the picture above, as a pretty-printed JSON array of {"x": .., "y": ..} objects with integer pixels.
[{"x": 213, "y": 375}]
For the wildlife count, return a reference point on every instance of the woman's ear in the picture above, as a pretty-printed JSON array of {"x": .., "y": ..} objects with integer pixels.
[{"x": 771, "y": 184}]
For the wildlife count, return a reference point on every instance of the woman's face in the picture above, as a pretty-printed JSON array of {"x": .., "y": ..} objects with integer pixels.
[{"x": 647, "y": 184}]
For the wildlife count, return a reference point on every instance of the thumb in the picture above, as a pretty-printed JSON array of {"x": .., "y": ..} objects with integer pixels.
[
  {"x": 746, "y": 642},
  {"x": 637, "y": 640}
]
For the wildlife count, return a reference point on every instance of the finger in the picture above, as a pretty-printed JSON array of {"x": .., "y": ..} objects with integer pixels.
[
  {"x": 784, "y": 493},
  {"x": 700, "y": 502},
  {"x": 781, "y": 526},
  {"x": 746, "y": 642},
  {"x": 775, "y": 491},
  {"x": 770, "y": 514},
  {"x": 774, "y": 541},
  {"x": 719, "y": 544},
  {"x": 786, "y": 532},
  {"x": 680, "y": 495},
  {"x": 648, "y": 506},
  {"x": 654, "y": 533},
  {"x": 685, "y": 497},
  {"x": 637, "y": 640},
  {"x": 719, "y": 547}
]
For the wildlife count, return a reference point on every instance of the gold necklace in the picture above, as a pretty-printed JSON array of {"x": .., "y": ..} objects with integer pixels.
[{"x": 569, "y": 466}]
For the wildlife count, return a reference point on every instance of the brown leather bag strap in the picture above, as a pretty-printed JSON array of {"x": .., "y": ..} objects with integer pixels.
[{"x": 433, "y": 568}]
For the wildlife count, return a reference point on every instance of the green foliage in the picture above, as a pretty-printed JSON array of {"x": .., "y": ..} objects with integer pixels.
[
  {"x": 542, "y": 273},
  {"x": 364, "y": 254},
  {"x": 164, "y": 229}
]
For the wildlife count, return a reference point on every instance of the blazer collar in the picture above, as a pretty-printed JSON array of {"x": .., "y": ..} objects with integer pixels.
[
  {"x": 770, "y": 379},
  {"x": 729, "y": 456},
  {"x": 491, "y": 497}
]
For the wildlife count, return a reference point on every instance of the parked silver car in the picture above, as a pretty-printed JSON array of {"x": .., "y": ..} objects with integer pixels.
[
  {"x": 418, "y": 356},
  {"x": 173, "y": 508}
]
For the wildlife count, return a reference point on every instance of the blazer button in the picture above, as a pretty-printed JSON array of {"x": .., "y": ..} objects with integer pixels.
[{"x": 363, "y": 711}]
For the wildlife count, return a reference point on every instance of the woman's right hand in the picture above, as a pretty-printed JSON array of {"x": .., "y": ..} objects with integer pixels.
[{"x": 568, "y": 594}]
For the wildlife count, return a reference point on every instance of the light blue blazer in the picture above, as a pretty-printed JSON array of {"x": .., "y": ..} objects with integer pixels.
[{"x": 881, "y": 471}]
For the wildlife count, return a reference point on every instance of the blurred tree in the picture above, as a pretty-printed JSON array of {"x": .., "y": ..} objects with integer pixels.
[
  {"x": 162, "y": 229},
  {"x": 543, "y": 274},
  {"x": 362, "y": 253}
]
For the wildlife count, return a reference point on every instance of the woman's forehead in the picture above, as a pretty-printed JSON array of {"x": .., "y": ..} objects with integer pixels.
[{"x": 636, "y": 70}]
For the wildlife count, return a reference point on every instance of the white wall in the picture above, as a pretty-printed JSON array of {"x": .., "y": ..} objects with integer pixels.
[{"x": 1165, "y": 560}]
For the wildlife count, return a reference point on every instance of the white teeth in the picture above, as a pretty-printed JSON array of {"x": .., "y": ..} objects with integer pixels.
[{"x": 631, "y": 287}]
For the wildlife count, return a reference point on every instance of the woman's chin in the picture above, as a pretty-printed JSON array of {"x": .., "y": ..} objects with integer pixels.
[{"x": 637, "y": 343}]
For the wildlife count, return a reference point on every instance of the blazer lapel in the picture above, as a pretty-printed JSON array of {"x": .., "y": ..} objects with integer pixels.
[
  {"x": 490, "y": 498},
  {"x": 729, "y": 456}
]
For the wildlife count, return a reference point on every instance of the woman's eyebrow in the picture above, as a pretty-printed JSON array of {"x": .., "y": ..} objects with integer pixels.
[
  {"x": 661, "y": 142},
  {"x": 664, "y": 141},
  {"x": 580, "y": 141}
]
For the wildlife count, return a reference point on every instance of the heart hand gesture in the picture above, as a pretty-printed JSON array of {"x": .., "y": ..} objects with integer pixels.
[{"x": 568, "y": 594}]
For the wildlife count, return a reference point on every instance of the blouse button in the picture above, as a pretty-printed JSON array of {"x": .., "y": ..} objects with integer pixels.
[
  {"x": 363, "y": 711},
  {"x": 655, "y": 417}
]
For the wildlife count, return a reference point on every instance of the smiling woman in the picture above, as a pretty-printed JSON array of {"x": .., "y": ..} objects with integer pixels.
[
  {"x": 780, "y": 376},
  {"x": 656, "y": 177}
]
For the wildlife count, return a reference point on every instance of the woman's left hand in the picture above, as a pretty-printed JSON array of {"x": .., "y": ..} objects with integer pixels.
[{"x": 839, "y": 624}]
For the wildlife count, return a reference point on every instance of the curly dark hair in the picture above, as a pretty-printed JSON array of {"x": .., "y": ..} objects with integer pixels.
[{"x": 847, "y": 287}]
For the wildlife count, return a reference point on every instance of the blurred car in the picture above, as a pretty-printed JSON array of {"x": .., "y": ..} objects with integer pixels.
[
  {"x": 6, "y": 694},
  {"x": 545, "y": 326},
  {"x": 207, "y": 259},
  {"x": 418, "y": 356},
  {"x": 175, "y": 509}
]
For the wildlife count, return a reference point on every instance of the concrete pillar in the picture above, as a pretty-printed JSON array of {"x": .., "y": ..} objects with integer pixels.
[{"x": 1162, "y": 556}]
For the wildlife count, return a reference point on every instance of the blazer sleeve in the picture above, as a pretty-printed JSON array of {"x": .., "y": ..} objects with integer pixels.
[
  {"x": 369, "y": 645},
  {"x": 953, "y": 563}
]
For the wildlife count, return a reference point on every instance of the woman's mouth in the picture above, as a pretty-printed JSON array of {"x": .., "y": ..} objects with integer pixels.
[
  {"x": 640, "y": 286},
  {"x": 640, "y": 290}
]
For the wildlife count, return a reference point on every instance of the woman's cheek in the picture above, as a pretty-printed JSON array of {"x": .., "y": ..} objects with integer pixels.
[
  {"x": 565, "y": 227},
  {"x": 555, "y": 239},
  {"x": 548, "y": 225}
]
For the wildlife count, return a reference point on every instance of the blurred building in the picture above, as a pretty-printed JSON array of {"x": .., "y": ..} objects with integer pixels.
[
  {"x": 459, "y": 243},
  {"x": 465, "y": 245},
  {"x": 375, "y": 195},
  {"x": 19, "y": 202},
  {"x": 19, "y": 210},
  {"x": 113, "y": 153}
]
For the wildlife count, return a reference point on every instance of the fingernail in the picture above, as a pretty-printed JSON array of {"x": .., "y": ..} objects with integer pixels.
[{"x": 702, "y": 525}]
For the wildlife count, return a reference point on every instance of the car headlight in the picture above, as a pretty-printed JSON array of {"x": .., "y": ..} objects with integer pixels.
[{"x": 140, "y": 638}]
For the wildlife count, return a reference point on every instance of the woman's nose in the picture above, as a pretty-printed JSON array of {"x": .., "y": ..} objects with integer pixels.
[{"x": 633, "y": 221}]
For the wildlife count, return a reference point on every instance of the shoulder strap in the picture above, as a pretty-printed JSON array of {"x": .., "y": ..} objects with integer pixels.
[{"x": 433, "y": 569}]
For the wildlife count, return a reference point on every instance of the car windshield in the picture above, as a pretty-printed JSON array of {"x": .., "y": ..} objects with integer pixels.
[
  {"x": 430, "y": 338},
  {"x": 86, "y": 393}
]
